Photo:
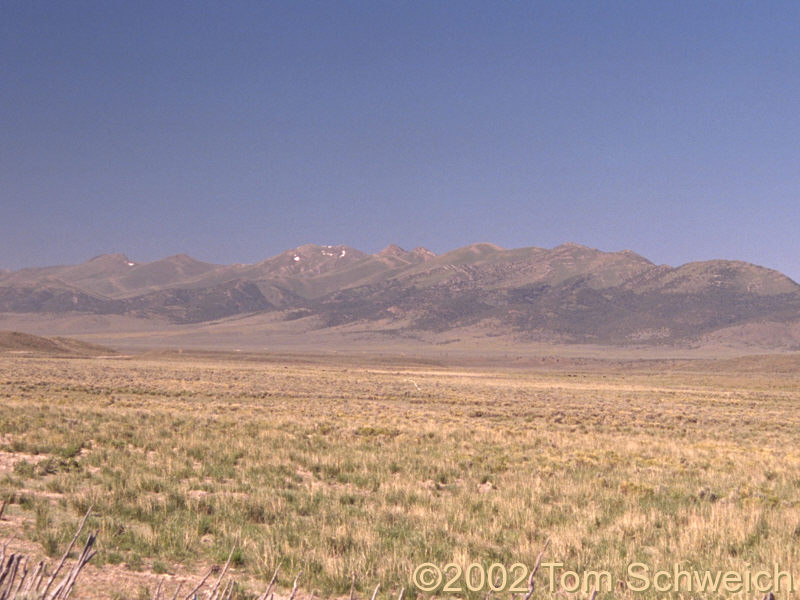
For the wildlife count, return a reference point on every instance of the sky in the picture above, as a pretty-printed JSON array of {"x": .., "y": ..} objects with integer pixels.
[{"x": 232, "y": 131}]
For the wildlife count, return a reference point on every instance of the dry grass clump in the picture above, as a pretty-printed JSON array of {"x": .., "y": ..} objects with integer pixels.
[{"x": 335, "y": 471}]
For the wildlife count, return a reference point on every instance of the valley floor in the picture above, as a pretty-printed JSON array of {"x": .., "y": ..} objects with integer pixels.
[{"x": 336, "y": 466}]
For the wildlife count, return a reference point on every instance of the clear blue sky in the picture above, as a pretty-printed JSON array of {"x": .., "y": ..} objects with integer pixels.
[{"x": 234, "y": 130}]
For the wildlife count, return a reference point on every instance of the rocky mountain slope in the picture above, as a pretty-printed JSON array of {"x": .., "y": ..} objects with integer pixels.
[{"x": 570, "y": 293}]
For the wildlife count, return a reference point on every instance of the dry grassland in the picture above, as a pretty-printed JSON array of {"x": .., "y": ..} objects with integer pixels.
[{"x": 338, "y": 469}]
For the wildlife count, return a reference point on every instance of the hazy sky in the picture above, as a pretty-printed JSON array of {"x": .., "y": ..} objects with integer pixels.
[{"x": 233, "y": 130}]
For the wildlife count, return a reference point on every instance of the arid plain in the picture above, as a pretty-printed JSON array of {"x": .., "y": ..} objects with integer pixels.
[{"x": 339, "y": 466}]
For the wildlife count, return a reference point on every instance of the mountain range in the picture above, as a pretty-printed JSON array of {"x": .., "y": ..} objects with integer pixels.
[{"x": 567, "y": 294}]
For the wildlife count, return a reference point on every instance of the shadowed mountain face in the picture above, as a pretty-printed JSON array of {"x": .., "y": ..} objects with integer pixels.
[{"x": 570, "y": 293}]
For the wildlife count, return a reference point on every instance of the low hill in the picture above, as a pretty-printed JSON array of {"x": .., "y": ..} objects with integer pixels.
[{"x": 15, "y": 342}]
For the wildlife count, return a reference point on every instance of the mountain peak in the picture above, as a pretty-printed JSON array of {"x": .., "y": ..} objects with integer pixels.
[
  {"x": 470, "y": 253},
  {"x": 393, "y": 250},
  {"x": 423, "y": 253},
  {"x": 316, "y": 251},
  {"x": 397, "y": 256},
  {"x": 485, "y": 246},
  {"x": 109, "y": 259},
  {"x": 574, "y": 246}
]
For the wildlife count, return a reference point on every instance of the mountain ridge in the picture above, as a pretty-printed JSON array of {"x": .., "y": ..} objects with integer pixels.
[{"x": 573, "y": 293}]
